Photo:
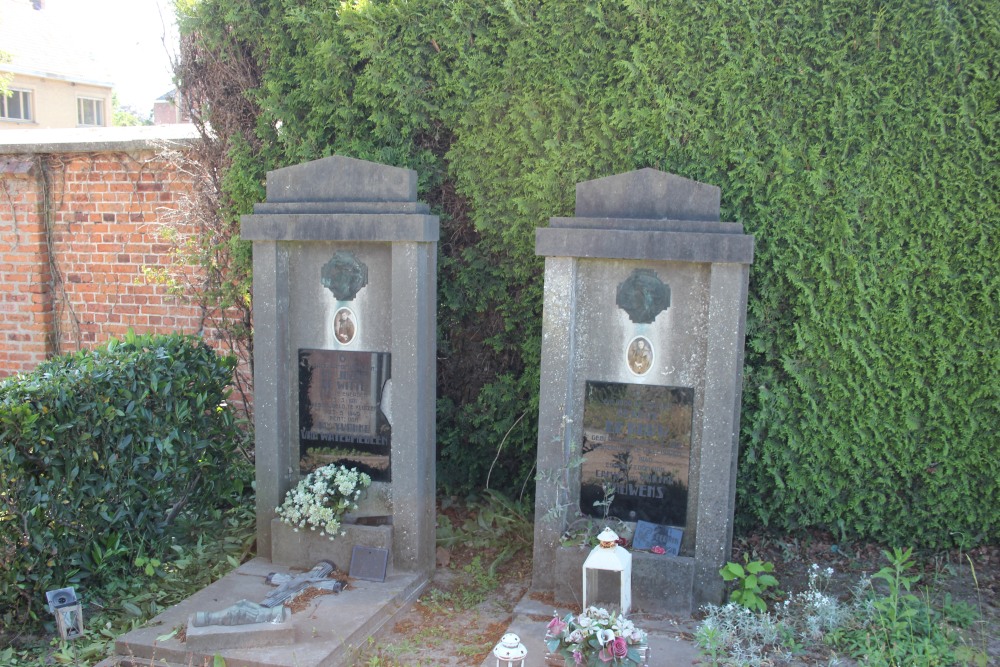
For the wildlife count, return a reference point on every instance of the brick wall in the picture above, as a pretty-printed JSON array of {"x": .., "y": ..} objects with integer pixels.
[
  {"x": 26, "y": 314},
  {"x": 83, "y": 225}
]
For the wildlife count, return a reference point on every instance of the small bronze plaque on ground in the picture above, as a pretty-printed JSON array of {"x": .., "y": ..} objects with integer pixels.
[
  {"x": 369, "y": 563},
  {"x": 341, "y": 419},
  {"x": 636, "y": 452}
]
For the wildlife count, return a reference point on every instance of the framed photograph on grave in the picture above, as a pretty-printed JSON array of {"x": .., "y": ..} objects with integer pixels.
[
  {"x": 649, "y": 535},
  {"x": 341, "y": 417},
  {"x": 636, "y": 451},
  {"x": 345, "y": 325}
]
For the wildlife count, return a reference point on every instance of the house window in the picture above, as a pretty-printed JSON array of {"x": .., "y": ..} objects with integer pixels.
[
  {"x": 16, "y": 105},
  {"x": 90, "y": 111}
]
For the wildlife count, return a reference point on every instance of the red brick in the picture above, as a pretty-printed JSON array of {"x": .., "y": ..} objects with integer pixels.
[{"x": 121, "y": 199}]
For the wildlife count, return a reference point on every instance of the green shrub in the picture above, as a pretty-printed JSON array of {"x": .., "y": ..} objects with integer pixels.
[
  {"x": 105, "y": 457},
  {"x": 752, "y": 582},
  {"x": 895, "y": 625},
  {"x": 855, "y": 140},
  {"x": 882, "y": 625}
]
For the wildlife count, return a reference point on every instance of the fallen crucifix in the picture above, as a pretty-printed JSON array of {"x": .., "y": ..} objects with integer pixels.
[{"x": 271, "y": 609}]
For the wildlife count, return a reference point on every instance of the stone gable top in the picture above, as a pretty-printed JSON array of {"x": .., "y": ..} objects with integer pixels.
[
  {"x": 648, "y": 194},
  {"x": 341, "y": 179},
  {"x": 340, "y": 198},
  {"x": 646, "y": 214}
]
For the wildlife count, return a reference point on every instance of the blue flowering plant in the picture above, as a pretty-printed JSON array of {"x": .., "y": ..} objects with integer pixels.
[
  {"x": 321, "y": 499},
  {"x": 595, "y": 638}
]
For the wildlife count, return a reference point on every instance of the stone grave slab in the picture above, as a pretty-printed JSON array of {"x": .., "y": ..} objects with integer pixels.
[{"x": 327, "y": 633}]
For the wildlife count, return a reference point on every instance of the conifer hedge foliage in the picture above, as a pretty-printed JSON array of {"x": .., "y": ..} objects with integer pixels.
[{"x": 857, "y": 140}]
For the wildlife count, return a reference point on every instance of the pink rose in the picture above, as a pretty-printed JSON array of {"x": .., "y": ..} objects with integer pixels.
[
  {"x": 555, "y": 627},
  {"x": 619, "y": 647},
  {"x": 658, "y": 550}
]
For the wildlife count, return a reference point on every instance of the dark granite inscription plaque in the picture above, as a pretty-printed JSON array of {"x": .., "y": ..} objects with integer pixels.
[
  {"x": 636, "y": 446},
  {"x": 369, "y": 563},
  {"x": 340, "y": 411}
]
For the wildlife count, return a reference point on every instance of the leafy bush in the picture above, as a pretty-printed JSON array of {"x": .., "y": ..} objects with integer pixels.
[
  {"x": 855, "y": 140},
  {"x": 752, "y": 583},
  {"x": 220, "y": 541},
  {"x": 894, "y": 626},
  {"x": 106, "y": 456},
  {"x": 497, "y": 524}
]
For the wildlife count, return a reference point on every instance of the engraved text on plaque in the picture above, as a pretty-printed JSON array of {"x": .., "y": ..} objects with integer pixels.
[
  {"x": 341, "y": 418},
  {"x": 636, "y": 449}
]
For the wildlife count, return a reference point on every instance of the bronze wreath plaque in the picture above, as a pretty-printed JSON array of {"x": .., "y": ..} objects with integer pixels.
[
  {"x": 643, "y": 296},
  {"x": 345, "y": 275}
]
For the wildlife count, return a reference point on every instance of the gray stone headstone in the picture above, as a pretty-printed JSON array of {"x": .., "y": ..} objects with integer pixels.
[
  {"x": 644, "y": 287},
  {"x": 345, "y": 265}
]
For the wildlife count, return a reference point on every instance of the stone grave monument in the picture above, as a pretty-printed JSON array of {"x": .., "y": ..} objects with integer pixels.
[
  {"x": 344, "y": 354},
  {"x": 641, "y": 378},
  {"x": 344, "y": 260}
]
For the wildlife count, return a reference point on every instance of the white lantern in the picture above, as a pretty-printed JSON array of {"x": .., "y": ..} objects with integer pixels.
[
  {"x": 510, "y": 652},
  {"x": 608, "y": 557}
]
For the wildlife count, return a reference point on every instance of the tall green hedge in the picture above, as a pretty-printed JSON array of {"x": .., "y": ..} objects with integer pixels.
[
  {"x": 856, "y": 140},
  {"x": 106, "y": 456}
]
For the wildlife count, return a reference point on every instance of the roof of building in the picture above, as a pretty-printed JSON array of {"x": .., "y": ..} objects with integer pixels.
[{"x": 44, "y": 43}]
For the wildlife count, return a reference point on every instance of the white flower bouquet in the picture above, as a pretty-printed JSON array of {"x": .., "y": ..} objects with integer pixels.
[
  {"x": 595, "y": 638},
  {"x": 322, "y": 498}
]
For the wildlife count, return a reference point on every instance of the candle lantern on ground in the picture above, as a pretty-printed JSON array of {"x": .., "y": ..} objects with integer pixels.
[
  {"x": 510, "y": 652},
  {"x": 607, "y": 574},
  {"x": 68, "y": 612}
]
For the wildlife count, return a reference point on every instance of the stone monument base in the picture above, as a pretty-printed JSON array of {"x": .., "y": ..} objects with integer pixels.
[
  {"x": 327, "y": 633},
  {"x": 667, "y": 581},
  {"x": 305, "y": 548}
]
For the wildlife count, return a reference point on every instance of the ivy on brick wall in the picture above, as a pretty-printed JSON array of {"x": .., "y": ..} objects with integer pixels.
[{"x": 855, "y": 140}]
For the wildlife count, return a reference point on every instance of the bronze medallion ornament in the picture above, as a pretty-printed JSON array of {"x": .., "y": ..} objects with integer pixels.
[
  {"x": 643, "y": 296},
  {"x": 345, "y": 275}
]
